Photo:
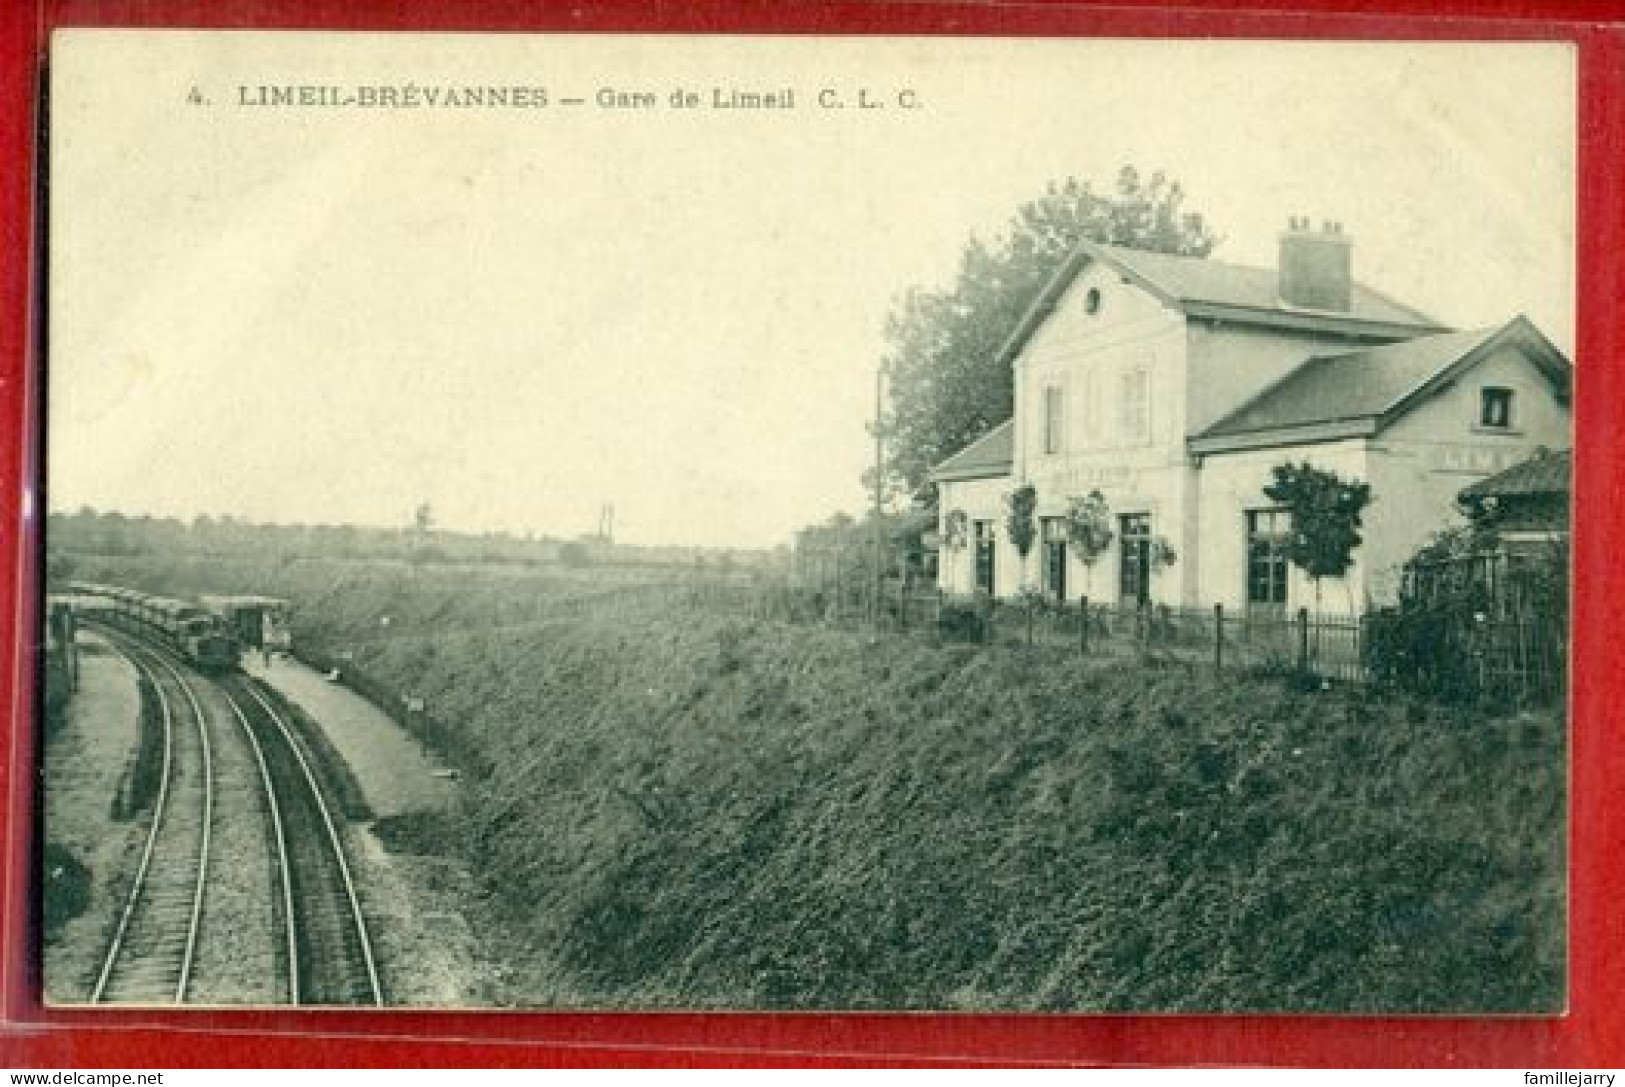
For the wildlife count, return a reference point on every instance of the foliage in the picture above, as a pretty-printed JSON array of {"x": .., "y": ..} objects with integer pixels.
[
  {"x": 60, "y": 568},
  {"x": 58, "y": 688},
  {"x": 1030, "y": 598},
  {"x": 1450, "y": 573},
  {"x": 66, "y": 887},
  {"x": 812, "y": 820},
  {"x": 1325, "y": 512},
  {"x": 847, "y": 545},
  {"x": 82, "y": 536},
  {"x": 574, "y": 555},
  {"x": 1451, "y": 544},
  {"x": 1477, "y": 620},
  {"x": 962, "y": 621},
  {"x": 947, "y": 384},
  {"x": 1021, "y": 504},
  {"x": 1089, "y": 529},
  {"x": 1163, "y": 554},
  {"x": 418, "y": 535},
  {"x": 144, "y": 776}
]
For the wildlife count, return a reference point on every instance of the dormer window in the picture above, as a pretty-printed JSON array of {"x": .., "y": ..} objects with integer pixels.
[{"x": 1495, "y": 408}]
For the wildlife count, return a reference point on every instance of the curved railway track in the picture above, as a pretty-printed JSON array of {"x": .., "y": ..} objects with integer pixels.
[
  {"x": 149, "y": 958},
  {"x": 329, "y": 945},
  {"x": 326, "y": 951}
]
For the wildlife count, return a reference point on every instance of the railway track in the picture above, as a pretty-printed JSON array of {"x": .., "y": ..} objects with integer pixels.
[
  {"x": 329, "y": 945},
  {"x": 325, "y": 950},
  {"x": 150, "y": 956}
]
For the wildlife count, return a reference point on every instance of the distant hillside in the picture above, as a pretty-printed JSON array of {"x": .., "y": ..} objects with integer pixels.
[{"x": 72, "y": 536}]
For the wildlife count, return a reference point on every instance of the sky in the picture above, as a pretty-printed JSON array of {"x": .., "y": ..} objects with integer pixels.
[{"x": 332, "y": 313}]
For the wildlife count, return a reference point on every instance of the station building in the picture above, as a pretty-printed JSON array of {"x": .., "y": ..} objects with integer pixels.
[{"x": 1172, "y": 385}]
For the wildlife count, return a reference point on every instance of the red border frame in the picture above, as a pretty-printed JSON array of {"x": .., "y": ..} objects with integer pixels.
[{"x": 1592, "y": 1034}]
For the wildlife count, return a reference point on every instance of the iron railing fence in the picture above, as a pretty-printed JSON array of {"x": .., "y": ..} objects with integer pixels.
[
  {"x": 1503, "y": 658},
  {"x": 1478, "y": 657},
  {"x": 1472, "y": 656},
  {"x": 1330, "y": 646}
]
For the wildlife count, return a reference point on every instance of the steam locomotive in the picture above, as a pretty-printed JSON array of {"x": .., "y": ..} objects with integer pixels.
[{"x": 188, "y": 629}]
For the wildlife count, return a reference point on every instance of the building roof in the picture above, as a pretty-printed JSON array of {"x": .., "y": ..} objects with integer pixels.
[
  {"x": 1355, "y": 385},
  {"x": 1201, "y": 281},
  {"x": 1219, "y": 290},
  {"x": 1358, "y": 393},
  {"x": 1545, "y": 473},
  {"x": 991, "y": 455}
]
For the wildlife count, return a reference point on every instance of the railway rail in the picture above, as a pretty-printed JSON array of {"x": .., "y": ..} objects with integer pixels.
[
  {"x": 326, "y": 949},
  {"x": 330, "y": 947},
  {"x": 149, "y": 958}
]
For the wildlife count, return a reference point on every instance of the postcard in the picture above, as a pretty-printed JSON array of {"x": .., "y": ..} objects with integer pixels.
[{"x": 807, "y": 523}]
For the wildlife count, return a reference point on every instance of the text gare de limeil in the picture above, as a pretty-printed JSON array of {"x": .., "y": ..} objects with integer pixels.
[{"x": 516, "y": 96}]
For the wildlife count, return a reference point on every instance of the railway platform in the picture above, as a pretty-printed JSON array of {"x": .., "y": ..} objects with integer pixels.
[
  {"x": 87, "y": 764},
  {"x": 396, "y": 774}
]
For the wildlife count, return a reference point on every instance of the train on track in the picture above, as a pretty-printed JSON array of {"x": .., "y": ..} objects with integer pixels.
[
  {"x": 257, "y": 622},
  {"x": 189, "y": 629}
]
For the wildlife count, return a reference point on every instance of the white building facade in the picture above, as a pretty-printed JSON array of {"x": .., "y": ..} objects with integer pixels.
[{"x": 1173, "y": 385}]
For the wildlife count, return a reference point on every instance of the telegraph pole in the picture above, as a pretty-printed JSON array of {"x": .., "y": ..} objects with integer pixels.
[{"x": 880, "y": 534}]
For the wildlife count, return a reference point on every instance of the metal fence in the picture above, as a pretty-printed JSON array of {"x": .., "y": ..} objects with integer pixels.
[
  {"x": 1518, "y": 658},
  {"x": 1476, "y": 657},
  {"x": 1472, "y": 656},
  {"x": 1328, "y": 646}
]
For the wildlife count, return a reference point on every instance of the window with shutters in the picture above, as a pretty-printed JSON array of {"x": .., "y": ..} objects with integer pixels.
[
  {"x": 1053, "y": 407},
  {"x": 1133, "y": 405}
]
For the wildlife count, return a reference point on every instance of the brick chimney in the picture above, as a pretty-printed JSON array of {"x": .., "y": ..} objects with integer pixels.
[{"x": 1316, "y": 266}]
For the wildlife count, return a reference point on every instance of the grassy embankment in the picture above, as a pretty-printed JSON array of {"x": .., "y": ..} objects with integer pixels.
[{"x": 709, "y": 812}]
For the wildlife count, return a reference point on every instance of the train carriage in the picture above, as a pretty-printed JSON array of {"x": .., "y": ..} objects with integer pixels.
[{"x": 187, "y": 628}]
